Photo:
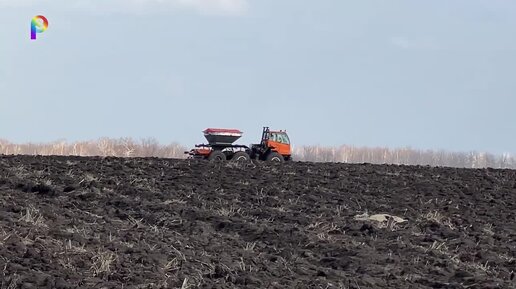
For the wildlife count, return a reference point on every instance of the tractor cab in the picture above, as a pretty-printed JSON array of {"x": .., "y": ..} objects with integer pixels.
[{"x": 276, "y": 141}]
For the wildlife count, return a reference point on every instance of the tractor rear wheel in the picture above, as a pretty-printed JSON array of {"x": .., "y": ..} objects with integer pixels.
[
  {"x": 240, "y": 157},
  {"x": 275, "y": 157},
  {"x": 217, "y": 156}
]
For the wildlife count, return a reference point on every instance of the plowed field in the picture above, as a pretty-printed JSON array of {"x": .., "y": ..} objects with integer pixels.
[{"x": 70, "y": 222}]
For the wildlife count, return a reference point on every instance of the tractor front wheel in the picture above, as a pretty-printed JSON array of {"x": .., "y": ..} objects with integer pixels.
[{"x": 275, "y": 157}]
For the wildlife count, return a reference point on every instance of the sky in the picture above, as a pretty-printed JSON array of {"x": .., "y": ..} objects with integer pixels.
[{"x": 423, "y": 74}]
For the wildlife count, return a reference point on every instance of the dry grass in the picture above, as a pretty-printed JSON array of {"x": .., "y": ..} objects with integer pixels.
[
  {"x": 4, "y": 236},
  {"x": 229, "y": 211},
  {"x": 32, "y": 216},
  {"x": 172, "y": 266},
  {"x": 73, "y": 248},
  {"x": 102, "y": 262},
  {"x": 249, "y": 246},
  {"x": 185, "y": 284},
  {"x": 439, "y": 218}
]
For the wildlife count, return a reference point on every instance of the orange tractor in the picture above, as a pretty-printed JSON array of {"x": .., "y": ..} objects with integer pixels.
[{"x": 274, "y": 146}]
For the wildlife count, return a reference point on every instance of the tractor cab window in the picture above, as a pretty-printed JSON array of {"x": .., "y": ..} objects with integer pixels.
[
  {"x": 284, "y": 138},
  {"x": 280, "y": 137}
]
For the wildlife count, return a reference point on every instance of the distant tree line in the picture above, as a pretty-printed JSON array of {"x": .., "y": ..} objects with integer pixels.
[
  {"x": 122, "y": 147},
  {"x": 149, "y": 147},
  {"x": 405, "y": 156}
]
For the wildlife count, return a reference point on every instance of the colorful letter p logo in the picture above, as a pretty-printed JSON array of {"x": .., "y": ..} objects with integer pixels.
[{"x": 38, "y": 25}]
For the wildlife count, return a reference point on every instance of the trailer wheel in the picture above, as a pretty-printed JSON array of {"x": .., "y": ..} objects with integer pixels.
[
  {"x": 240, "y": 157},
  {"x": 275, "y": 157},
  {"x": 217, "y": 156}
]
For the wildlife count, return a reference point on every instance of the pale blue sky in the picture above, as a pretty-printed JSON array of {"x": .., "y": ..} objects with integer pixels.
[{"x": 434, "y": 74}]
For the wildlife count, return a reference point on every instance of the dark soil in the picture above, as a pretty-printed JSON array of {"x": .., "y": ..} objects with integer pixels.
[{"x": 70, "y": 222}]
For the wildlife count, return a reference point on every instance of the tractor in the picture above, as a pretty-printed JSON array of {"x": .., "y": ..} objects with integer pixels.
[{"x": 274, "y": 146}]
